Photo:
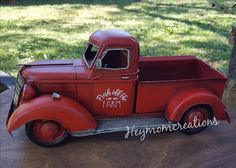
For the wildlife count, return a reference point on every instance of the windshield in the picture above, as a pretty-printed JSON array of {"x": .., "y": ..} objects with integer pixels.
[{"x": 90, "y": 54}]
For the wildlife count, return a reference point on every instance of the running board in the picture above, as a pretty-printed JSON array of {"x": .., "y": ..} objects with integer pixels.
[{"x": 123, "y": 124}]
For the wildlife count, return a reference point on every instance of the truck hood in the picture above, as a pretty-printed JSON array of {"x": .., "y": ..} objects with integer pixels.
[{"x": 55, "y": 70}]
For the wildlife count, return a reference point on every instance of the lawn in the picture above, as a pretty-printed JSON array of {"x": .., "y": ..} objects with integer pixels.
[{"x": 57, "y": 29}]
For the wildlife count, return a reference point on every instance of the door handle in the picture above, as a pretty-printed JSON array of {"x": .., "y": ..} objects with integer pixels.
[{"x": 125, "y": 77}]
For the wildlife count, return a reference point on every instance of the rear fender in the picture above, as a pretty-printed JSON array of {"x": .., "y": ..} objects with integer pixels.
[
  {"x": 64, "y": 110},
  {"x": 187, "y": 98}
]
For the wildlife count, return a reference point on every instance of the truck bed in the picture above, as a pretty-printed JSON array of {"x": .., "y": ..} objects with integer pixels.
[
  {"x": 161, "y": 77},
  {"x": 175, "y": 68}
]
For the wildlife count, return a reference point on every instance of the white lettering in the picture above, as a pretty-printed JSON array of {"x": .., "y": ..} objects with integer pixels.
[
  {"x": 143, "y": 132},
  {"x": 112, "y": 99}
]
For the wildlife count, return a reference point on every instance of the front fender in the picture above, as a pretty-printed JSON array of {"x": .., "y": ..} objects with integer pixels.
[
  {"x": 64, "y": 110},
  {"x": 187, "y": 98}
]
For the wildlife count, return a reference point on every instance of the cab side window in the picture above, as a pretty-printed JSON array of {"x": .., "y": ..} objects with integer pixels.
[{"x": 116, "y": 59}]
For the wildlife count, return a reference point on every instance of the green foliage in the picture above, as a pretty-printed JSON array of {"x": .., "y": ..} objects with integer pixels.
[{"x": 57, "y": 29}]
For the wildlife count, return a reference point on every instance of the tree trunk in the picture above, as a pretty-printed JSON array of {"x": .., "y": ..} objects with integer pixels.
[{"x": 229, "y": 96}]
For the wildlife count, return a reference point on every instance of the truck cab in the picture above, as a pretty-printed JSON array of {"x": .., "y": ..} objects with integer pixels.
[
  {"x": 113, "y": 87},
  {"x": 114, "y": 69}
]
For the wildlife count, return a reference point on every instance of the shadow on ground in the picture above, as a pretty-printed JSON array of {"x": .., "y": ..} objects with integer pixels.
[{"x": 120, "y": 3}]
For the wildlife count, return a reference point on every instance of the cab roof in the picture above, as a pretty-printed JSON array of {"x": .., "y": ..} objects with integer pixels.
[{"x": 111, "y": 37}]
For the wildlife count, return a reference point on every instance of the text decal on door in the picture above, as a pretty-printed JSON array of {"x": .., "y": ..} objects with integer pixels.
[{"x": 112, "y": 98}]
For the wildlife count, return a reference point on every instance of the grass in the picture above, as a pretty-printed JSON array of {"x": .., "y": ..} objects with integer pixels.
[{"x": 57, "y": 29}]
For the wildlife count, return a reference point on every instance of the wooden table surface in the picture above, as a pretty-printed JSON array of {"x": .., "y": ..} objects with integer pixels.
[{"x": 214, "y": 147}]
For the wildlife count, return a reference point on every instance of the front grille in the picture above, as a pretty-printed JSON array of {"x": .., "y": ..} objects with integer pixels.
[{"x": 18, "y": 88}]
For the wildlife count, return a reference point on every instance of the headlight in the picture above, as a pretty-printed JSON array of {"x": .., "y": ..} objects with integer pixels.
[{"x": 28, "y": 92}]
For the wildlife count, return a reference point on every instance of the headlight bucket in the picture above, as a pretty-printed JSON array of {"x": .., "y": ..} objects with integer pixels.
[{"x": 28, "y": 92}]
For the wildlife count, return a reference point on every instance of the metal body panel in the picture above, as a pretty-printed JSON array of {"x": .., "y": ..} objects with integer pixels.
[
  {"x": 64, "y": 110},
  {"x": 157, "y": 95},
  {"x": 55, "y": 70},
  {"x": 170, "y": 75},
  {"x": 186, "y": 98},
  {"x": 113, "y": 98}
]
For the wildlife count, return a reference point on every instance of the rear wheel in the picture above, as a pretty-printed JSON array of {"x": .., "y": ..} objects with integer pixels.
[
  {"x": 47, "y": 133},
  {"x": 198, "y": 115}
]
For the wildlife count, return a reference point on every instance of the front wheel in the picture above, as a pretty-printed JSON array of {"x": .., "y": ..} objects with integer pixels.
[
  {"x": 198, "y": 115},
  {"x": 47, "y": 133}
]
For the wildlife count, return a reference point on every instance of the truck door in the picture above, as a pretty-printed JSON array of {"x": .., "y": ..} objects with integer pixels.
[{"x": 114, "y": 83}]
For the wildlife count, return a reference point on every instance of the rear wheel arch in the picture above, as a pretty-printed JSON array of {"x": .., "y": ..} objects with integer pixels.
[{"x": 188, "y": 98}]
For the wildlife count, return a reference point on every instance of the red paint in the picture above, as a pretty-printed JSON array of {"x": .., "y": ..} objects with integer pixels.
[
  {"x": 200, "y": 113},
  {"x": 64, "y": 110},
  {"x": 166, "y": 86},
  {"x": 48, "y": 130},
  {"x": 28, "y": 92},
  {"x": 188, "y": 97}
]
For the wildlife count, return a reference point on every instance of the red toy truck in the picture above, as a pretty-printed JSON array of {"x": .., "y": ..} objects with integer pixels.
[{"x": 110, "y": 88}]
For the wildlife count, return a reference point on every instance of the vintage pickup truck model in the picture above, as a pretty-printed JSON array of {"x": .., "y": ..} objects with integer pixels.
[{"x": 113, "y": 87}]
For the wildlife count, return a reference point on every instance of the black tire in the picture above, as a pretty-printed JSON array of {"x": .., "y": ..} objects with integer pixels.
[
  {"x": 205, "y": 111},
  {"x": 32, "y": 135}
]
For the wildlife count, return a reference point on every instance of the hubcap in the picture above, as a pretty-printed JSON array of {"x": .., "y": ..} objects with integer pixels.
[
  {"x": 200, "y": 113},
  {"x": 48, "y": 131}
]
